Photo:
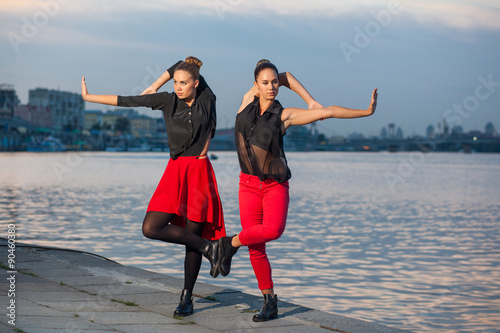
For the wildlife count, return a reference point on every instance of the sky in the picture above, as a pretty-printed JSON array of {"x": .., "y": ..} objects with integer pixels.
[{"x": 430, "y": 60}]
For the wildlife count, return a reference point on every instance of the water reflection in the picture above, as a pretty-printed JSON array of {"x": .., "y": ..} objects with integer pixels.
[{"x": 424, "y": 258}]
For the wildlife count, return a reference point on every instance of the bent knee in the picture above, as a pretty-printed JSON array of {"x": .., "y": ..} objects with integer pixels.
[
  {"x": 272, "y": 233},
  {"x": 148, "y": 232}
]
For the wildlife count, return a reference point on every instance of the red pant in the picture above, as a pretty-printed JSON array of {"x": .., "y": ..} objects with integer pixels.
[{"x": 263, "y": 210}]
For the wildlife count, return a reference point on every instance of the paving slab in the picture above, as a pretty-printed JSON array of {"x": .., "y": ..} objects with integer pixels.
[
  {"x": 180, "y": 327},
  {"x": 63, "y": 290}
]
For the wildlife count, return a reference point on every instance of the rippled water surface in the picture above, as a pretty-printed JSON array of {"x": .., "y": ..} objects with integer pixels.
[{"x": 407, "y": 240}]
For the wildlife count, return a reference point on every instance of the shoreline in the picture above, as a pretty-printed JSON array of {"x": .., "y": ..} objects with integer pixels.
[{"x": 57, "y": 289}]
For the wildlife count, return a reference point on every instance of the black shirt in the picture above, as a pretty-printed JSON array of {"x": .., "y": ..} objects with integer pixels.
[
  {"x": 259, "y": 142},
  {"x": 188, "y": 127}
]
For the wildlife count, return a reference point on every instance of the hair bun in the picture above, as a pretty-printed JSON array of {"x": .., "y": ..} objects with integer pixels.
[
  {"x": 262, "y": 62},
  {"x": 194, "y": 61}
]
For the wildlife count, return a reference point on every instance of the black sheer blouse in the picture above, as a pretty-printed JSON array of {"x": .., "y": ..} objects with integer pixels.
[
  {"x": 188, "y": 127},
  {"x": 259, "y": 142}
]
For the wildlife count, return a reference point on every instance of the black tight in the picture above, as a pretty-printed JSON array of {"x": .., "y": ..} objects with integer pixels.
[
  {"x": 192, "y": 261},
  {"x": 157, "y": 225}
]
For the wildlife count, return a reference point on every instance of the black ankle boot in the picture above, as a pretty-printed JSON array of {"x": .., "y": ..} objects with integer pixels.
[
  {"x": 185, "y": 307},
  {"x": 211, "y": 252},
  {"x": 226, "y": 253},
  {"x": 269, "y": 309}
]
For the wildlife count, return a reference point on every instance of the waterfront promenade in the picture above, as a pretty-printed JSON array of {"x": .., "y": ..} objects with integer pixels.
[{"x": 61, "y": 290}]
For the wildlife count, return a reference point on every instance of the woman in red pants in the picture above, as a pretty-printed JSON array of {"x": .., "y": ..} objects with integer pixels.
[
  {"x": 185, "y": 208},
  {"x": 260, "y": 126}
]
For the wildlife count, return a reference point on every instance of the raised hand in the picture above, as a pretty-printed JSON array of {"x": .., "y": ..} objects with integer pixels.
[
  {"x": 149, "y": 90},
  {"x": 101, "y": 99},
  {"x": 84, "y": 89},
  {"x": 315, "y": 105},
  {"x": 373, "y": 103}
]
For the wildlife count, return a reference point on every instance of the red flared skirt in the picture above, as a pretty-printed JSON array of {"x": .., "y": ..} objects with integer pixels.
[{"x": 188, "y": 189}]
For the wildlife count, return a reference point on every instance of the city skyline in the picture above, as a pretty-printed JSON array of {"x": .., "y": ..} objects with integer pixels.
[
  {"x": 430, "y": 60},
  {"x": 396, "y": 128}
]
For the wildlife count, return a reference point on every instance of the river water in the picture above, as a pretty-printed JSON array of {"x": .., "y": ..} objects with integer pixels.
[{"x": 406, "y": 240}]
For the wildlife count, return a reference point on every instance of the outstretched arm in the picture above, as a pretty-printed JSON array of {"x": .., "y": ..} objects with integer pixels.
[
  {"x": 101, "y": 99},
  {"x": 294, "y": 116},
  {"x": 288, "y": 80}
]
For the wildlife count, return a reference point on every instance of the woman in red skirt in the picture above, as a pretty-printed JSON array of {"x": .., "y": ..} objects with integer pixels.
[
  {"x": 260, "y": 126},
  {"x": 185, "y": 208}
]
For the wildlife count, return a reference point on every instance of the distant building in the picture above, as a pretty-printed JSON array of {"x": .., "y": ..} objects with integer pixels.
[
  {"x": 383, "y": 133},
  {"x": 37, "y": 116},
  {"x": 336, "y": 140},
  {"x": 93, "y": 117},
  {"x": 457, "y": 130},
  {"x": 429, "y": 132},
  {"x": 446, "y": 128},
  {"x": 300, "y": 138},
  {"x": 8, "y": 101},
  {"x": 109, "y": 118},
  {"x": 141, "y": 125},
  {"x": 125, "y": 112},
  {"x": 489, "y": 129},
  {"x": 387, "y": 133},
  {"x": 399, "y": 134},
  {"x": 391, "y": 133},
  {"x": 223, "y": 140},
  {"x": 67, "y": 109},
  {"x": 356, "y": 136},
  {"x": 474, "y": 134}
]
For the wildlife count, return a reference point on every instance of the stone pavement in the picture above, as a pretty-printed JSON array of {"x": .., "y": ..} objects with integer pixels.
[{"x": 60, "y": 290}]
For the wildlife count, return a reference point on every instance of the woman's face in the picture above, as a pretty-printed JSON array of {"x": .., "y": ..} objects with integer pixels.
[
  {"x": 267, "y": 83},
  {"x": 185, "y": 85}
]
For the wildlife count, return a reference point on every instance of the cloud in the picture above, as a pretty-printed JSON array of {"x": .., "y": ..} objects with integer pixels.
[{"x": 470, "y": 14}]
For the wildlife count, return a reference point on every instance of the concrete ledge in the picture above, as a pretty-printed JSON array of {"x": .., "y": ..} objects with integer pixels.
[{"x": 61, "y": 290}]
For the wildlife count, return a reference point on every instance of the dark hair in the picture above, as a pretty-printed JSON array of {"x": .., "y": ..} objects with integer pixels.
[
  {"x": 263, "y": 64},
  {"x": 192, "y": 66}
]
